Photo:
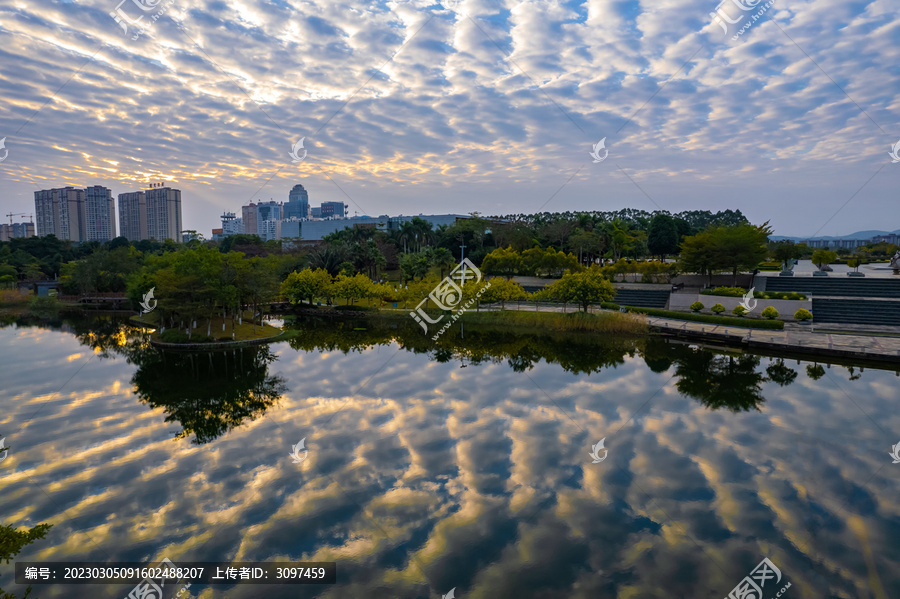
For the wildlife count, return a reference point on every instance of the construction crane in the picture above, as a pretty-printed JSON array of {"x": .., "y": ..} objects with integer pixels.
[{"x": 12, "y": 214}]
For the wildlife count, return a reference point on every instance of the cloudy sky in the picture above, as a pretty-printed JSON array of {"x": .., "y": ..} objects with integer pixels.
[{"x": 413, "y": 107}]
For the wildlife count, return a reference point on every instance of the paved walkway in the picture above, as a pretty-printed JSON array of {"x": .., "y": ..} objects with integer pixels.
[{"x": 794, "y": 338}]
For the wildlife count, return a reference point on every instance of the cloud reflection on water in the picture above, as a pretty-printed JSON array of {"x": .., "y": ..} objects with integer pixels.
[{"x": 433, "y": 476}]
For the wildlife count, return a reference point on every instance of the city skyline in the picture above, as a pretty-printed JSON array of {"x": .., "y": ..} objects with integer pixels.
[{"x": 407, "y": 107}]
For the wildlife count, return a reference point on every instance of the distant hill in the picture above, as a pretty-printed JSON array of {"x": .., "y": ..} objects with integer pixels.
[{"x": 857, "y": 235}]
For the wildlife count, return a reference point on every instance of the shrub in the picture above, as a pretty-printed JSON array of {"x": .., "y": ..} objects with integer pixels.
[
  {"x": 725, "y": 291},
  {"x": 803, "y": 314},
  {"x": 717, "y": 309},
  {"x": 609, "y": 306},
  {"x": 752, "y": 323},
  {"x": 740, "y": 311},
  {"x": 696, "y": 307},
  {"x": 174, "y": 336},
  {"x": 352, "y": 308},
  {"x": 770, "y": 312}
]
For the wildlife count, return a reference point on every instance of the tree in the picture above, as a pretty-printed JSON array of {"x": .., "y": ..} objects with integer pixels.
[
  {"x": 822, "y": 258},
  {"x": 785, "y": 252},
  {"x": 502, "y": 262},
  {"x": 353, "y": 288},
  {"x": 503, "y": 290},
  {"x": 662, "y": 236},
  {"x": 306, "y": 284},
  {"x": 584, "y": 288},
  {"x": 742, "y": 247},
  {"x": 442, "y": 258},
  {"x": 414, "y": 265},
  {"x": 12, "y": 541},
  {"x": 699, "y": 254}
]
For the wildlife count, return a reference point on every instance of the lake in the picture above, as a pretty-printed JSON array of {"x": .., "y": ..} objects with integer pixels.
[{"x": 471, "y": 464}]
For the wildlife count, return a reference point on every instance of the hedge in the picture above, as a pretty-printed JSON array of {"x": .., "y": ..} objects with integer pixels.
[
  {"x": 739, "y": 292},
  {"x": 747, "y": 323}
]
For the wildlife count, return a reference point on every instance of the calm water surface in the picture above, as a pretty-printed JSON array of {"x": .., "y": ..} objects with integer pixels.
[{"x": 465, "y": 466}]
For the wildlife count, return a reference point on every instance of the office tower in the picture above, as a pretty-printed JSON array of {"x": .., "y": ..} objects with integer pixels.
[
  {"x": 270, "y": 210},
  {"x": 60, "y": 212},
  {"x": 298, "y": 203},
  {"x": 99, "y": 214},
  {"x": 163, "y": 213},
  {"x": 333, "y": 209},
  {"x": 248, "y": 214},
  {"x": 316, "y": 212},
  {"x": 133, "y": 215}
]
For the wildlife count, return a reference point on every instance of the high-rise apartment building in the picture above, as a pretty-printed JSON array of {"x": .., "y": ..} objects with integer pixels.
[
  {"x": 248, "y": 217},
  {"x": 99, "y": 214},
  {"x": 16, "y": 230},
  {"x": 298, "y": 203},
  {"x": 133, "y": 215},
  {"x": 60, "y": 212},
  {"x": 163, "y": 213}
]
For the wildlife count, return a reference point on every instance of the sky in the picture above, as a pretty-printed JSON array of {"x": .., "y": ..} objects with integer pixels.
[{"x": 417, "y": 107}]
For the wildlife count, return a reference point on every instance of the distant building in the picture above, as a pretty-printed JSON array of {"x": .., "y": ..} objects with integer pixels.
[
  {"x": 133, "y": 216},
  {"x": 892, "y": 238},
  {"x": 270, "y": 229},
  {"x": 333, "y": 209},
  {"x": 298, "y": 203},
  {"x": 231, "y": 225},
  {"x": 315, "y": 212},
  {"x": 99, "y": 214},
  {"x": 16, "y": 231},
  {"x": 248, "y": 218},
  {"x": 163, "y": 213},
  {"x": 60, "y": 212},
  {"x": 217, "y": 235}
]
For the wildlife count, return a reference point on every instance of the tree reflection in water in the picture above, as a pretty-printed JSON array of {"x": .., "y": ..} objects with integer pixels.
[{"x": 208, "y": 393}]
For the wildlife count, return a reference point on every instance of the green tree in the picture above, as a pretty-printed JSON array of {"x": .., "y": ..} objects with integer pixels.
[
  {"x": 353, "y": 288},
  {"x": 442, "y": 258},
  {"x": 504, "y": 262},
  {"x": 785, "y": 252},
  {"x": 415, "y": 265},
  {"x": 502, "y": 290},
  {"x": 823, "y": 258},
  {"x": 662, "y": 236},
  {"x": 583, "y": 288},
  {"x": 12, "y": 541},
  {"x": 306, "y": 284}
]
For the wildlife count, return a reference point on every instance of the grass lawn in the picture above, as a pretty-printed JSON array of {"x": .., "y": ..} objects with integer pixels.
[{"x": 242, "y": 332}]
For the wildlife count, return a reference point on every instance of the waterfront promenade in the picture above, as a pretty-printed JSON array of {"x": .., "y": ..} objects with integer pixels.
[{"x": 826, "y": 340}]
